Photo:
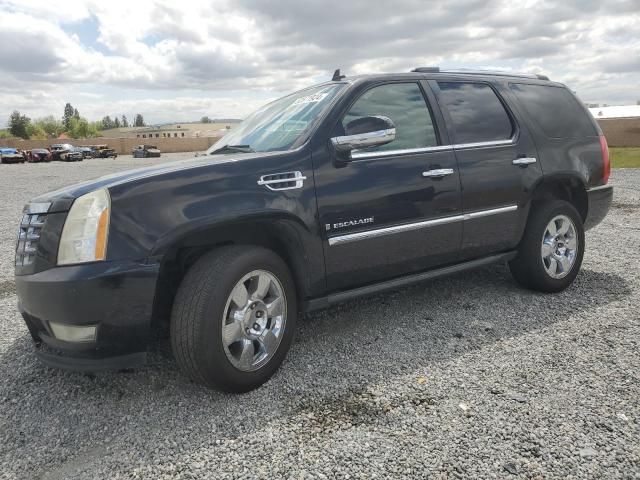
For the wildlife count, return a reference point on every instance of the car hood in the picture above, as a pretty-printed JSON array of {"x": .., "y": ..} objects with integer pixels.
[{"x": 62, "y": 199}]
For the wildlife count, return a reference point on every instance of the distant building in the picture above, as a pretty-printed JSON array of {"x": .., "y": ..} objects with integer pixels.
[
  {"x": 615, "y": 111},
  {"x": 178, "y": 130}
]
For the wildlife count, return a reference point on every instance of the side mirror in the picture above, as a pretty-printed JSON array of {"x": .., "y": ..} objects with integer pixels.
[{"x": 365, "y": 132}]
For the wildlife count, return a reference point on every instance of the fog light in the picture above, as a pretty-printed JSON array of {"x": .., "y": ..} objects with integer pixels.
[{"x": 73, "y": 333}]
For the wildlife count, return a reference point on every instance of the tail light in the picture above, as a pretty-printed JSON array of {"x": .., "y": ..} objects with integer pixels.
[{"x": 606, "y": 162}]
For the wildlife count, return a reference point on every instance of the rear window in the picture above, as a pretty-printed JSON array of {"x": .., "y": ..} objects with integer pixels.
[
  {"x": 554, "y": 110},
  {"x": 476, "y": 112}
]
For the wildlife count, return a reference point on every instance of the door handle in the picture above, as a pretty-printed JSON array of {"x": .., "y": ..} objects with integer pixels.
[
  {"x": 438, "y": 172},
  {"x": 524, "y": 161}
]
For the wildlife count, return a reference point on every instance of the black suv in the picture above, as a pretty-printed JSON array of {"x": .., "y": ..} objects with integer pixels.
[{"x": 344, "y": 189}]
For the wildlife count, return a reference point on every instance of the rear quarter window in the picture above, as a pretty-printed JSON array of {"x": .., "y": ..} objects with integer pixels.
[
  {"x": 554, "y": 110},
  {"x": 477, "y": 114}
]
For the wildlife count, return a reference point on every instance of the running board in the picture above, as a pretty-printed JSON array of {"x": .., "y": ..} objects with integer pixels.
[{"x": 323, "y": 302}]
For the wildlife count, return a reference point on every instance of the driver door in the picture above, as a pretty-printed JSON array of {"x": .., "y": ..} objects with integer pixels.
[{"x": 383, "y": 213}]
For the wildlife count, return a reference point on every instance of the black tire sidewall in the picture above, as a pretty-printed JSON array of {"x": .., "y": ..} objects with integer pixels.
[
  {"x": 211, "y": 351},
  {"x": 529, "y": 262}
]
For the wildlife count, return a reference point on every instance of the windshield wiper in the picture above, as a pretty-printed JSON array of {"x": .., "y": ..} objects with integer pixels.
[{"x": 233, "y": 148}]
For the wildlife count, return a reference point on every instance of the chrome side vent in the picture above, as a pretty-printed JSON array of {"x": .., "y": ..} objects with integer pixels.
[{"x": 282, "y": 181}]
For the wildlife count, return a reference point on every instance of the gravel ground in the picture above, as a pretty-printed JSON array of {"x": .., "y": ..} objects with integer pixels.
[{"x": 464, "y": 377}]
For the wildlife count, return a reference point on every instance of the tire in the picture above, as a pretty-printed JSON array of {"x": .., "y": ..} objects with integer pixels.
[
  {"x": 547, "y": 263},
  {"x": 207, "y": 297}
]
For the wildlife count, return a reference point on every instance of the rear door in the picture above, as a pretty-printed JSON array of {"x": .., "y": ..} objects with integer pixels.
[
  {"x": 382, "y": 215},
  {"x": 498, "y": 164}
]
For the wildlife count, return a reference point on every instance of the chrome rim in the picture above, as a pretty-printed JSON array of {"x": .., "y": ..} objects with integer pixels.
[
  {"x": 559, "y": 246},
  {"x": 254, "y": 320}
]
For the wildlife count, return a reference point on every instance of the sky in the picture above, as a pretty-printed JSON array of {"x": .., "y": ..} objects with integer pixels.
[{"x": 178, "y": 61}]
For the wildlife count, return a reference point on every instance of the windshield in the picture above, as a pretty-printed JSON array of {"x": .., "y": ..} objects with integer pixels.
[{"x": 278, "y": 125}]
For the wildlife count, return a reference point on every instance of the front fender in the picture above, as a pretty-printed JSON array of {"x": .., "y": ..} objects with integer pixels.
[{"x": 152, "y": 216}]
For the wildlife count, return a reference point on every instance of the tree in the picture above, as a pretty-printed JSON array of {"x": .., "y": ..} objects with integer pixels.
[
  {"x": 81, "y": 128},
  {"x": 124, "y": 122},
  {"x": 68, "y": 114},
  {"x": 205, "y": 119},
  {"x": 107, "y": 123},
  {"x": 76, "y": 114},
  {"x": 35, "y": 131},
  {"x": 18, "y": 125},
  {"x": 116, "y": 122},
  {"x": 139, "y": 121},
  {"x": 50, "y": 125}
]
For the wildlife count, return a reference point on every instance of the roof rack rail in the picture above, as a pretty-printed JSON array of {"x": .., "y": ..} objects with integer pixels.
[{"x": 465, "y": 71}]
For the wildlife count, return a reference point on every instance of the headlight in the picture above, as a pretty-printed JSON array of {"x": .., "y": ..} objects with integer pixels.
[{"x": 86, "y": 230}]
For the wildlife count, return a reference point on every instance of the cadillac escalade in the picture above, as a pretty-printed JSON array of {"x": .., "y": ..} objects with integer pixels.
[{"x": 343, "y": 189}]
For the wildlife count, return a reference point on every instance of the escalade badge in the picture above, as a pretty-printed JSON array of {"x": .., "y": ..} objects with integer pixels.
[{"x": 349, "y": 223}]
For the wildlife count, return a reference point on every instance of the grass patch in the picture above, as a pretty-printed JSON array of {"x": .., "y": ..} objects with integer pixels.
[{"x": 625, "y": 157}]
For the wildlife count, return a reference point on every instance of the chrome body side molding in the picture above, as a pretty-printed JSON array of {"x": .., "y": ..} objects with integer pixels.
[
  {"x": 495, "y": 143},
  {"x": 379, "y": 232},
  {"x": 359, "y": 155}
]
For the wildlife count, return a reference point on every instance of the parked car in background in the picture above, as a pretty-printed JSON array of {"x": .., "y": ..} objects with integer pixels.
[
  {"x": 144, "y": 151},
  {"x": 65, "y": 152},
  {"x": 11, "y": 155},
  {"x": 102, "y": 151},
  {"x": 38, "y": 155},
  {"x": 87, "y": 152}
]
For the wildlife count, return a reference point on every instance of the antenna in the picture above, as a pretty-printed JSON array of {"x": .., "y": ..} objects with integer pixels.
[{"x": 336, "y": 76}]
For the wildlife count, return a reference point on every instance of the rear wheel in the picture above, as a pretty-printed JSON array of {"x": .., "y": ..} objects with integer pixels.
[
  {"x": 234, "y": 318},
  {"x": 551, "y": 251}
]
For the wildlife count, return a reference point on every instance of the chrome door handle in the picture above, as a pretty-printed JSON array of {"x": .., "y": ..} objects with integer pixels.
[
  {"x": 524, "y": 161},
  {"x": 438, "y": 172}
]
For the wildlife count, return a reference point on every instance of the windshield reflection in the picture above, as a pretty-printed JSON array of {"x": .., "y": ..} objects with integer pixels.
[{"x": 279, "y": 124}]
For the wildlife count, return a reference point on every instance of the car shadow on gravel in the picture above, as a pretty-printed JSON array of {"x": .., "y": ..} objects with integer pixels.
[{"x": 338, "y": 353}]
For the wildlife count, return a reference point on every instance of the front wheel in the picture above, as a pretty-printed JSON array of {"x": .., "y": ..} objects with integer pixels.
[
  {"x": 234, "y": 318},
  {"x": 552, "y": 248}
]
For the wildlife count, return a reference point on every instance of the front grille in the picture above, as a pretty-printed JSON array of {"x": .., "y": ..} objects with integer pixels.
[{"x": 28, "y": 238}]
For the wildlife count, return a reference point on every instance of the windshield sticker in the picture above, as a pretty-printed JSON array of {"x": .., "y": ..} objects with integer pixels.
[{"x": 315, "y": 98}]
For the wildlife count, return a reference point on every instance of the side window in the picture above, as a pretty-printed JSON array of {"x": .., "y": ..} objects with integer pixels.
[
  {"x": 555, "y": 110},
  {"x": 476, "y": 112},
  {"x": 405, "y": 105}
]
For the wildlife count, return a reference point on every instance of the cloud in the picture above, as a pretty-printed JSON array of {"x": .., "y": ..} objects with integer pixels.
[{"x": 155, "y": 51}]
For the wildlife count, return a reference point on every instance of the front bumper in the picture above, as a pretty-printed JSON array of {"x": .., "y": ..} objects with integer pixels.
[
  {"x": 116, "y": 297},
  {"x": 599, "y": 199},
  {"x": 12, "y": 159}
]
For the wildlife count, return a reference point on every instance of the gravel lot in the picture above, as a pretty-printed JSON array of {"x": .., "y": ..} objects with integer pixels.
[{"x": 464, "y": 377}]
